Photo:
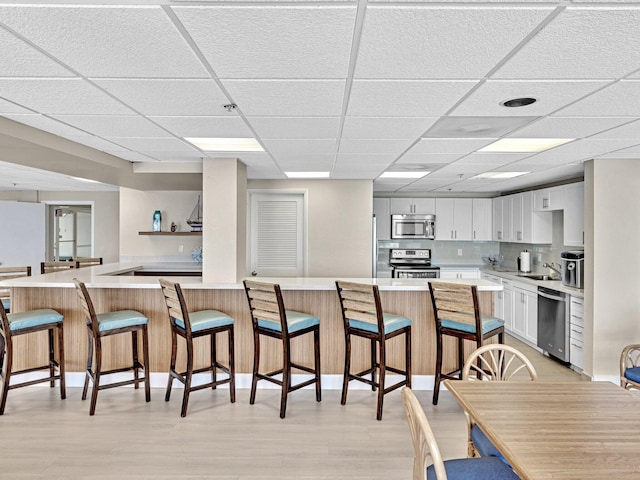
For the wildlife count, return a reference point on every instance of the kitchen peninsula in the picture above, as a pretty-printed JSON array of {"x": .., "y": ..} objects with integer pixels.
[{"x": 118, "y": 286}]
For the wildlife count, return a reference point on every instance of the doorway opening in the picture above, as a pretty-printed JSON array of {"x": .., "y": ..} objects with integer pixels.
[{"x": 71, "y": 232}]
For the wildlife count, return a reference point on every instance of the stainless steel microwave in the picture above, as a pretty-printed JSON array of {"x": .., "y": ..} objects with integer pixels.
[{"x": 413, "y": 226}]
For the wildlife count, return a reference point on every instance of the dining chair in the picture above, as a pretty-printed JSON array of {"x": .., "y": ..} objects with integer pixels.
[
  {"x": 630, "y": 367},
  {"x": 425, "y": 447},
  {"x": 23, "y": 323},
  {"x": 190, "y": 325},
  {"x": 363, "y": 317},
  {"x": 88, "y": 262},
  {"x": 457, "y": 314},
  {"x": 7, "y": 273},
  {"x": 270, "y": 319},
  {"x": 56, "y": 266},
  {"x": 499, "y": 363},
  {"x": 100, "y": 325}
]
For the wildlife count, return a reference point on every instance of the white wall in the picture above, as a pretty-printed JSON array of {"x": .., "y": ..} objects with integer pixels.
[
  {"x": 339, "y": 219},
  {"x": 22, "y": 236},
  {"x": 612, "y": 280}
]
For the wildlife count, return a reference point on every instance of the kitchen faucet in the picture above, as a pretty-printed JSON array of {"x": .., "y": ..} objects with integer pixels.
[{"x": 553, "y": 267}]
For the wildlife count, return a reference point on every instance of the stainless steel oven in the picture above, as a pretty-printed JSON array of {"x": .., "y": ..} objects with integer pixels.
[{"x": 412, "y": 264}]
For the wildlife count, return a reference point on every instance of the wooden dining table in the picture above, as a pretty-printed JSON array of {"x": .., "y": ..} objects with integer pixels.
[{"x": 558, "y": 430}]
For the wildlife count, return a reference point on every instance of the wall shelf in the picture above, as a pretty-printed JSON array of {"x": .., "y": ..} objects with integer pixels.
[{"x": 170, "y": 233}]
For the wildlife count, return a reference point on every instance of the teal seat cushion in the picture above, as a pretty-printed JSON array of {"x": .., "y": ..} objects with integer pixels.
[
  {"x": 391, "y": 321},
  {"x": 34, "y": 318},
  {"x": 120, "y": 319},
  {"x": 633, "y": 374},
  {"x": 296, "y": 321},
  {"x": 483, "y": 468},
  {"x": 6, "y": 303},
  {"x": 206, "y": 319},
  {"x": 488, "y": 324},
  {"x": 484, "y": 446}
]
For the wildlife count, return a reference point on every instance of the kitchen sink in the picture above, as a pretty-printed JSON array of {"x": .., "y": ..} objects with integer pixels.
[{"x": 540, "y": 277}]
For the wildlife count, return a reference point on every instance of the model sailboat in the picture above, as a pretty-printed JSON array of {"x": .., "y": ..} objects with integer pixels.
[{"x": 195, "y": 219}]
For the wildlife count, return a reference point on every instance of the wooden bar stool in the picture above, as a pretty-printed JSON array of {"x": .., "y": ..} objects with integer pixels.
[
  {"x": 269, "y": 318},
  {"x": 22, "y": 323},
  {"x": 88, "y": 262},
  {"x": 363, "y": 317},
  {"x": 457, "y": 314},
  {"x": 189, "y": 326},
  {"x": 7, "y": 273},
  {"x": 52, "y": 267},
  {"x": 106, "y": 324}
]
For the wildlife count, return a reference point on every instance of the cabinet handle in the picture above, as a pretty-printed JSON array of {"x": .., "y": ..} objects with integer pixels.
[
  {"x": 452, "y": 234},
  {"x": 576, "y": 331},
  {"x": 545, "y": 203},
  {"x": 474, "y": 235},
  {"x": 577, "y": 346},
  {"x": 455, "y": 234},
  {"x": 499, "y": 235}
]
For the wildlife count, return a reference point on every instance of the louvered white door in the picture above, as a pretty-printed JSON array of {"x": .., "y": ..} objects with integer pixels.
[{"x": 277, "y": 235}]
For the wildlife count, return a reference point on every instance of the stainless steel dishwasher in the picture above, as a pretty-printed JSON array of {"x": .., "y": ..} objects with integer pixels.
[{"x": 553, "y": 323}]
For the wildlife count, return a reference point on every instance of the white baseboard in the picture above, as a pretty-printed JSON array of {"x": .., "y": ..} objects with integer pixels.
[{"x": 243, "y": 380}]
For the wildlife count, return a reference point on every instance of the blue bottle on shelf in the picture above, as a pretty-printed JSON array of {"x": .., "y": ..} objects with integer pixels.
[{"x": 157, "y": 221}]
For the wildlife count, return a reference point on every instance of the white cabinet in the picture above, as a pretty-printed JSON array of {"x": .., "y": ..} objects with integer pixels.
[
  {"x": 497, "y": 234},
  {"x": 576, "y": 332},
  {"x": 507, "y": 304},
  {"x": 454, "y": 219},
  {"x": 548, "y": 199},
  {"x": 413, "y": 205},
  {"x": 502, "y": 219},
  {"x": 574, "y": 214},
  {"x": 383, "y": 218},
  {"x": 525, "y": 311},
  {"x": 517, "y": 221},
  {"x": 482, "y": 210},
  {"x": 520, "y": 223},
  {"x": 498, "y": 300},
  {"x": 537, "y": 227},
  {"x": 459, "y": 273}
]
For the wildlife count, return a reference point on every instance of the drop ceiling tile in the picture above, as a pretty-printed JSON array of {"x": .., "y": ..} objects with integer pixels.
[
  {"x": 449, "y": 145},
  {"x": 475, "y": 127},
  {"x": 149, "y": 145},
  {"x": 568, "y": 127},
  {"x": 95, "y": 142},
  {"x": 402, "y": 41},
  {"x": 231, "y": 126},
  {"x": 603, "y": 44},
  {"x": 405, "y": 98},
  {"x": 582, "y": 150},
  {"x": 377, "y": 160},
  {"x": 619, "y": 99},
  {"x": 108, "y": 41},
  {"x": 297, "y": 146},
  {"x": 71, "y": 96},
  {"x": 430, "y": 158},
  {"x": 297, "y": 166},
  {"x": 310, "y": 159},
  {"x": 295, "y": 127},
  {"x": 273, "y": 41},
  {"x": 47, "y": 124},
  {"x": 492, "y": 158},
  {"x": 287, "y": 97},
  {"x": 19, "y": 59},
  {"x": 114, "y": 125},
  {"x": 386, "y": 127},
  {"x": 394, "y": 147},
  {"x": 551, "y": 96},
  {"x": 379, "y": 186},
  {"x": 630, "y": 130},
  {"x": 8, "y": 107},
  {"x": 168, "y": 97}
]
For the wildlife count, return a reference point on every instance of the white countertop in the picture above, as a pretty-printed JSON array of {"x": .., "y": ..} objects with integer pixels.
[
  {"x": 120, "y": 275},
  {"x": 552, "y": 284}
]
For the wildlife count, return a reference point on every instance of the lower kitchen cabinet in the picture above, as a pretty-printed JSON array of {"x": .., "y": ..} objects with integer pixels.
[
  {"x": 525, "y": 312},
  {"x": 459, "y": 273},
  {"x": 576, "y": 332}
]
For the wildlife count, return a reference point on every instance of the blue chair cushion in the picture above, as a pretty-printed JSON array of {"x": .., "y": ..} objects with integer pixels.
[
  {"x": 296, "y": 321},
  {"x": 34, "y": 318},
  {"x": 120, "y": 319},
  {"x": 6, "y": 303},
  {"x": 206, "y": 319},
  {"x": 484, "y": 445},
  {"x": 488, "y": 324},
  {"x": 391, "y": 321},
  {"x": 633, "y": 374},
  {"x": 483, "y": 468}
]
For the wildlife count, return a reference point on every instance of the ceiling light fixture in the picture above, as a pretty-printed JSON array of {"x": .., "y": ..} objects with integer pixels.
[
  {"x": 225, "y": 144},
  {"x": 88, "y": 180},
  {"x": 307, "y": 174},
  {"x": 500, "y": 175},
  {"x": 518, "y": 102},
  {"x": 403, "y": 174},
  {"x": 524, "y": 145}
]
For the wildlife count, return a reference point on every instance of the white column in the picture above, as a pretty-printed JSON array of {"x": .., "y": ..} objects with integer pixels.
[{"x": 224, "y": 211}]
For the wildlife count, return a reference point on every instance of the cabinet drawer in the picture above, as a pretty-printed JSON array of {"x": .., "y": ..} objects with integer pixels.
[
  {"x": 576, "y": 353},
  {"x": 577, "y": 306},
  {"x": 576, "y": 332},
  {"x": 576, "y": 320}
]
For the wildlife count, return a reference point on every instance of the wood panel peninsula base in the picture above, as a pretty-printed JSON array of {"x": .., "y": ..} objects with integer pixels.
[{"x": 113, "y": 287}]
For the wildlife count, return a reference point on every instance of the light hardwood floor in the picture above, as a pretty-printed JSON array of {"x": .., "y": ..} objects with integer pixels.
[{"x": 42, "y": 436}]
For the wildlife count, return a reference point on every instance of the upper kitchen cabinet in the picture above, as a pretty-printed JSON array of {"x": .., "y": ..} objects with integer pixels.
[
  {"x": 548, "y": 199},
  {"x": 502, "y": 219},
  {"x": 482, "y": 212},
  {"x": 497, "y": 234},
  {"x": 413, "y": 205},
  {"x": 530, "y": 226},
  {"x": 383, "y": 218},
  {"x": 574, "y": 215},
  {"x": 454, "y": 219}
]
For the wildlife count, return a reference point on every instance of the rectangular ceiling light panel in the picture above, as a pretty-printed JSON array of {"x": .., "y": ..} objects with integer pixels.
[{"x": 523, "y": 145}]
